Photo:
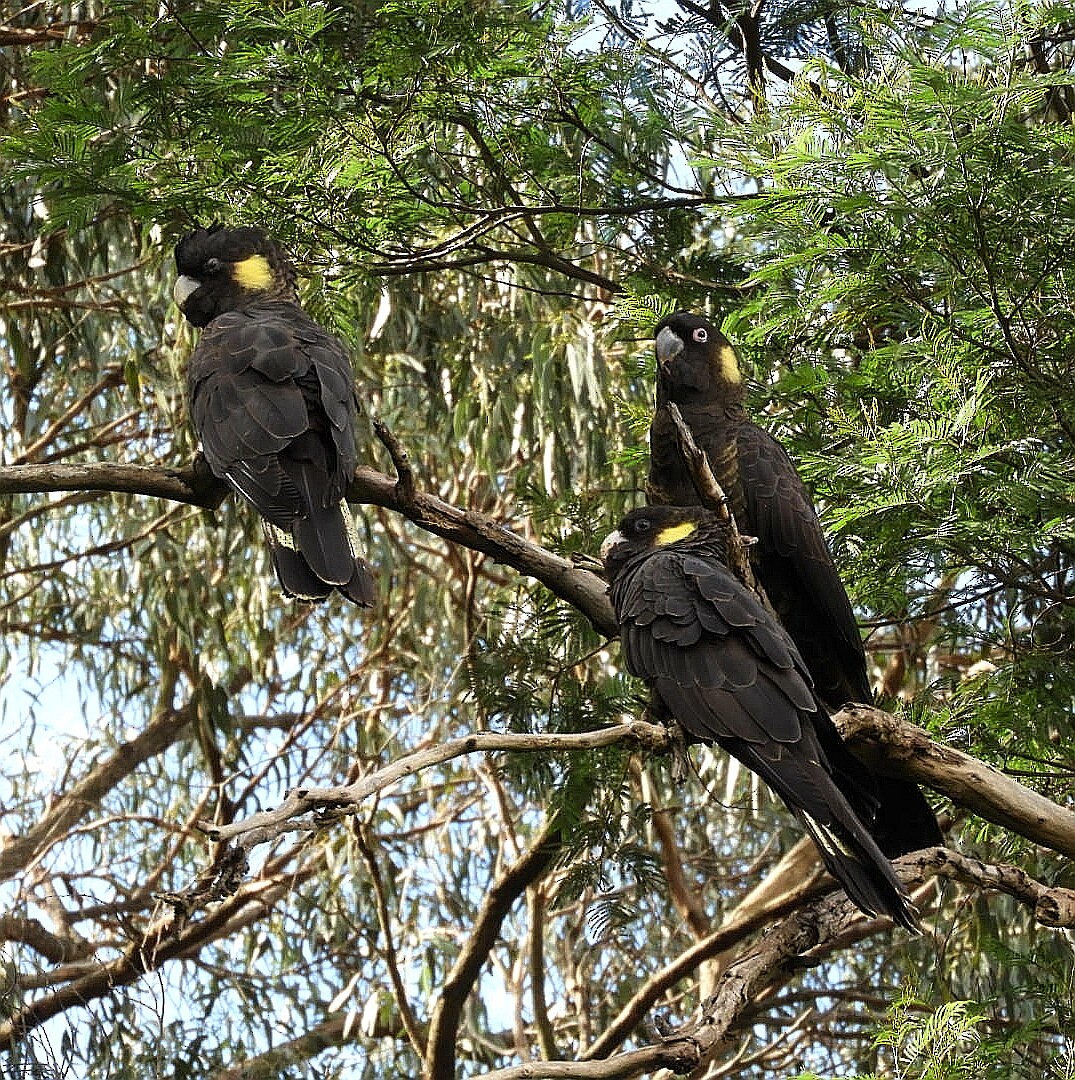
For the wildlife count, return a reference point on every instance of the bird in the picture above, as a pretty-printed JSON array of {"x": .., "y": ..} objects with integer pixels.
[
  {"x": 698, "y": 370},
  {"x": 272, "y": 398},
  {"x": 722, "y": 665}
]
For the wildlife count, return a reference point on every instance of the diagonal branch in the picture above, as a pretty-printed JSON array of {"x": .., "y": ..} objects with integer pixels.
[
  {"x": 159, "y": 943},
  {"x": 1051, "y": 905},
  {"x": 196, "y": 486},
  {"x": 80, "y": 800},
  {"x": 713, "y": 498},
  {"x": 270, "y": 824},
  {"x": 444, "y": 1024},
  {"x": 406, "y": 1013},
  {"x": 805, "y": 936}
]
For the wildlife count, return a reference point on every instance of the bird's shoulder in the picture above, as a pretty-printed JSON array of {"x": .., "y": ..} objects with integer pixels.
[
  {"x": 279, "y": 340},
  {"x": 688, "y": 588},
  {"x": 719, "y": 660}
]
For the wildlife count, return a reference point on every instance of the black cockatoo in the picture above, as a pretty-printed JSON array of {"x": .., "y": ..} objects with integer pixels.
[
  {"x": 272, "y": 398},
  {"x": 730, "y": 674},
  {"x": 697, "y": 369}
]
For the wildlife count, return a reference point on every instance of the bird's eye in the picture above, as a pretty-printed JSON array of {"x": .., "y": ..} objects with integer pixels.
[
  {"x": 701, "y": 334},
  {"x": 212, "y": 265},
  {"x": 642, "y": 525}
]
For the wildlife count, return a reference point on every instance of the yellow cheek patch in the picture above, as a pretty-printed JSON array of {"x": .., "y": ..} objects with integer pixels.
[
  {"x": 675, "y": 533},
  {"x": 254, "y": 273},
  {"x": 729, "y": 365}
]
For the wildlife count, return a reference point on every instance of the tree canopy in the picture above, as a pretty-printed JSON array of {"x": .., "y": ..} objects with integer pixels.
[{"x": 242, "y": 837}]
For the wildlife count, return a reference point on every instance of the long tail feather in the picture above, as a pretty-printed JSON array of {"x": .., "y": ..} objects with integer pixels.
[
  {"x": 859, "y": 866},
  {"x": 301, "y": 565}
]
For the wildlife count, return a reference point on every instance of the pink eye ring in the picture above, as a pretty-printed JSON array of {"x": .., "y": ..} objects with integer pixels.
[{"x": 701, "y": 334}]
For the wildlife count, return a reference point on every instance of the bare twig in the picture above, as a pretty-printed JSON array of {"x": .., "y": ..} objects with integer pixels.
[
  {"x": 712, "y": 497},
  {"x": 401, "y": 461}
]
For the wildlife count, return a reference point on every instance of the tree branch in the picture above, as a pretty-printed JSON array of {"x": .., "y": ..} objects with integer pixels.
[
  {"x": 52, "y": 947},
  {"x": 269, "y": 824},
  {"x": 411, "y": 1026},
  {"x": 159, "y": 943},
  {"x": 894, "y": 746},
  {"x": 1052, "y": 906},
  {"x": 713, "y": 498},
  {"x": 444, "y": 1024},
  {"x": 81, "y": 799},
  {"x": 680, "y": 1059},
  {"x": 546, "y": 1035},
  {"x": 196, "y": 486}
]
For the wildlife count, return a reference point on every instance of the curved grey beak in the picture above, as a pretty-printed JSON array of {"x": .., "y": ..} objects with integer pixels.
[
  {"x": 183, "y": 289},
  {"x": 669, "y": 346},
  {"x": 610, "y": 542}
]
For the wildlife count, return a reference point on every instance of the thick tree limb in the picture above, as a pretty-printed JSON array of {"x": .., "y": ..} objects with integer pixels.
[
  {"x": 1051, "y": 905},
  {"x": 193, "y": 485},
  {"x": 197, "y": 487},
  {"x": 52, "y": 947},
  {"x": 892, "y": 745},
  {"x": 680, "y": 1059}
]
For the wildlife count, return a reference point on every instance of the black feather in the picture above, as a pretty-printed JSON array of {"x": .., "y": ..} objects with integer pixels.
[{"x": 272, "y": 399}]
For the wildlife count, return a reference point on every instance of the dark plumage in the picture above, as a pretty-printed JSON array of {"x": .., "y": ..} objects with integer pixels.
[
  {"x": 272, "y": 399},
  {"x": 697, "y": 369},
  {"x": 730, "y": 674}
]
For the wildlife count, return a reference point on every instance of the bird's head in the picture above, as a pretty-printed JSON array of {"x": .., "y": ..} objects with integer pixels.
[
  {"x": 223, "y": 269},
  {"x": 694, "y": 356},
  {"x": 653, "y": 528}
]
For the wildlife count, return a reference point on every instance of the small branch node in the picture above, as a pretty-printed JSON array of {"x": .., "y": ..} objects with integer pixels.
[
  {"x": 712, "y": 497},
  {"x": 401, "y": 462}
]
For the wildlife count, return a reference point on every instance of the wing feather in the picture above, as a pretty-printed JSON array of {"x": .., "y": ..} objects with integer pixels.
[{"x": 272, "y": 399}]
